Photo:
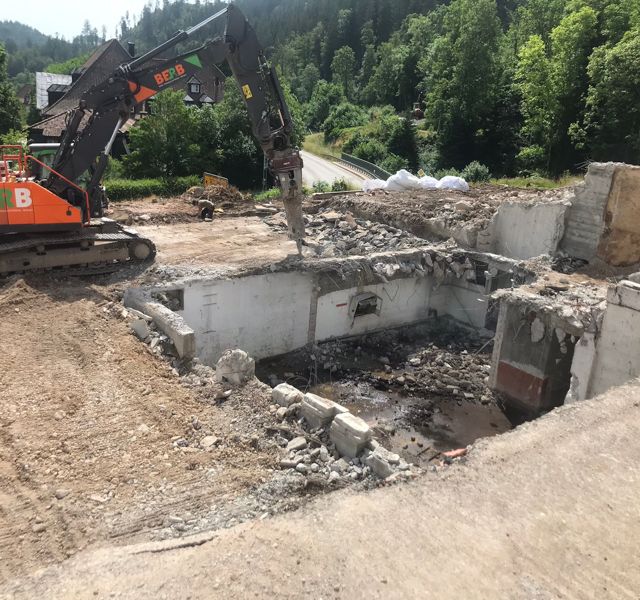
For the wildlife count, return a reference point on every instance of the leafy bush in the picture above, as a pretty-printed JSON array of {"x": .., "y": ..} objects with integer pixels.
[
  {"x": 475, "y": 172},
  {"x": 115, "y": 170},
  {"x": 320, "y": 187},
  {"x": 339, "y": 185},
  {"x": 341, "y": 117},
  {"x": 393, "y": 163},
  {"x": 127, "y": 189},
  {"x": 429, "y": 158},
  {"x": 370, "y": 150},
  {"x": 268, "y": 195}
]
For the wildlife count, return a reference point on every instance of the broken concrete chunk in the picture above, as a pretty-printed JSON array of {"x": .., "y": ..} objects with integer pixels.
[
  {"x": 299, "y": 443},
  {"x": 140, "y": 328},
  {"x": 350, "y": 434},
  {"x": 286, "y": 395},
  {"x": 235, "y": 367},
  {"x": 340, "y": 466},
  {"x": 381, "y": 462},
  {"x": 317, "y": 412}
]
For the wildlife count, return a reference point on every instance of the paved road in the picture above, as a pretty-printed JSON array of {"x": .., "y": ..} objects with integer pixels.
[
  {"x": 547, "y": 511},
  {"x": 320, "y": 169}
]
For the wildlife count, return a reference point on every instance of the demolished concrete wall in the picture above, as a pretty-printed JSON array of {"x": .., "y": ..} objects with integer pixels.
[
  {"x": 614, "y": 354},
  {"x": 532, "y": 357},
  {"x": 525, "y": 229},
  {"x": 620, "y": 242},
  {"x": 281, "y": 308},
  {"x": 604, "y": 219}
]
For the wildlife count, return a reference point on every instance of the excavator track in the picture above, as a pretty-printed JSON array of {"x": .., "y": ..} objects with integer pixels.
[{"x": 89, "y": 251}]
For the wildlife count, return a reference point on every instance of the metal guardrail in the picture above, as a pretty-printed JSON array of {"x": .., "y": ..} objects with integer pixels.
[{"x": 369, "y": 168}]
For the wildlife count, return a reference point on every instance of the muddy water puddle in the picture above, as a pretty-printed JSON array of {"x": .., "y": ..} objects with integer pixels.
[{"x": 418, "y": 429}]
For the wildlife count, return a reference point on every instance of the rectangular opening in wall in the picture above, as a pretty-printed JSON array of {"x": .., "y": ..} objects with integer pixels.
[{"x": 365, "y": 304}]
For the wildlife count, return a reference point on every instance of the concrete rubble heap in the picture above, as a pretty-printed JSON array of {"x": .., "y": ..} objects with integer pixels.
[
  {"x": 335, "y": 444},
  {"x": 333, "y": 234}
]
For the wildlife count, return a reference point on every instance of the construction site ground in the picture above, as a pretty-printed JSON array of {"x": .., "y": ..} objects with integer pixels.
[{"x": 91, "y": 459}]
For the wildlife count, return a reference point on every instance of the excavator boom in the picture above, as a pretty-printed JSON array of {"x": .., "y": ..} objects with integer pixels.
[{"x": 109, "y": 104}]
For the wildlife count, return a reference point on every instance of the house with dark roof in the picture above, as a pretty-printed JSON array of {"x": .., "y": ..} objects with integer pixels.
[{"x": 207, "y": 88}]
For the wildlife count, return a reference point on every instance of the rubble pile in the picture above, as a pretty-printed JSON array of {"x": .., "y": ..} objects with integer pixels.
[
  {"x": 219, "y": 195},
  {"x": 324, "y": 442},
  {"x": 333, "y": 234},
  {"x": 439, "y": 372}
]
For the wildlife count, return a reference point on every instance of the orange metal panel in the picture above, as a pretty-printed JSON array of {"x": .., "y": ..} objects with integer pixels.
[{"x": 27, "y": 203}]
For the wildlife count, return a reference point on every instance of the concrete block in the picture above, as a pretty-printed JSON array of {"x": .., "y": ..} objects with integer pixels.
[
  {"x": 286, "y": 395},
  {"x": 626, "y": 293},
  {"x": 317, "y": 411},
  {"x": 235, "y": 367},
  {"x": 350, "y": 434},
  {"x": 382, "y": 462},
  {"x": 168, "y": 321}
]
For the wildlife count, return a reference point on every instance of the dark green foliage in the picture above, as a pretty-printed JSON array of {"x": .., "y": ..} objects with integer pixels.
[
  {"x": 325, "y": 96},
  {"x": 10, "y": 107},
  {"x": 30, "y": 51},
  {"x": 342, "y": 117},
  {"x": 475, "y": 172},
  {"x": 127, "y": 189}
]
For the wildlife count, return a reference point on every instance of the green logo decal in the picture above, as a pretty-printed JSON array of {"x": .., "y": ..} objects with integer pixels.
[
  {"x": 6, "y": 199},
  {"x": 194, "y": 59}
]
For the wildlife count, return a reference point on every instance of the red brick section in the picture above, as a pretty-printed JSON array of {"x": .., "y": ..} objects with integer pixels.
[{"x": 521, "y": 387}]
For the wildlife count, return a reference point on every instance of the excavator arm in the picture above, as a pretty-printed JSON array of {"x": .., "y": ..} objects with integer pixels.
[{"x": 108, "y": 105}]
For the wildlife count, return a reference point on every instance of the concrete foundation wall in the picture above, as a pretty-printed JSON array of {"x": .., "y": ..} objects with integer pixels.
[
  {"x": 463, "y": 301},
  {"x": 532, "y": 359},
  {"x": 522, "y": 230},
  {"x": 617, "y": 352},
  {"x": 585, "y": 222},
  {"x": 403, "y": 301},
  {"x": 271, "y": 314},
  {"x": 264, "y": 315}
]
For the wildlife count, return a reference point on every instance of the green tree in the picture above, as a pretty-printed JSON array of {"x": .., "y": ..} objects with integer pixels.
[
  {"x": 572, "y": 42},
  {"x": 611, "y": 129},
  {"x": 534, "y": 80},
  {"x": 325, "y": 96},
  {"x": 461, "y": 80},
  {"x": 341, "y": 117},
  {"x": 343, "y": 68},
  {"x": 10, "y": 107},
  {"x": 163, "y": 143}
]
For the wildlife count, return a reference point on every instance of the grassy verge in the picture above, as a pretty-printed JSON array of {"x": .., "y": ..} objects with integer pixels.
[
  {"x": 315, "y": 144},
  {"x": 538, "y": 182}
]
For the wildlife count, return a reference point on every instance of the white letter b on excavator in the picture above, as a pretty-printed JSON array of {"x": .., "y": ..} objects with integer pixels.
[{"x": 23, "y": 198}]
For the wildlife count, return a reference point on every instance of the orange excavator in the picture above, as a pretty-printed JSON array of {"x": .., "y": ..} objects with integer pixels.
[{"x": 58, "y": 219}]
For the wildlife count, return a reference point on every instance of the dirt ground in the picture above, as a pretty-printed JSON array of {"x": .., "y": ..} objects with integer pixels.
[
  {"x": 235, "y": 240},
  {"x": 88, "y": 426}
]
